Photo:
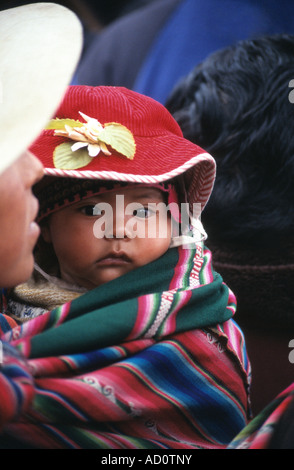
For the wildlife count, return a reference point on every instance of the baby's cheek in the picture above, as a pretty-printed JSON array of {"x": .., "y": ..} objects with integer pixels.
[{"x": 152, "y": 249}]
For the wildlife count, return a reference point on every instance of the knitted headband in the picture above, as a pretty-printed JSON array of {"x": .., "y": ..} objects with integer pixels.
[
  {"x": 55, "y": 194},
  {"x": 111, "y": 133}
]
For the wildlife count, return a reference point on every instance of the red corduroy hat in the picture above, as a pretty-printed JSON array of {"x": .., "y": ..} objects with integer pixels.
[{"x": 112, "y": 133}]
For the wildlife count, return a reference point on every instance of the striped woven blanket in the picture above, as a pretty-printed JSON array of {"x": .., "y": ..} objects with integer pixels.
[
  {"x": 113, "y": 370},
  {"x": 270, "y": 429}
]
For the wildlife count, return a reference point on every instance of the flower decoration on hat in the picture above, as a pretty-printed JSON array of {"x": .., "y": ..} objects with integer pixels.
[{"x": 91, "y": 138}]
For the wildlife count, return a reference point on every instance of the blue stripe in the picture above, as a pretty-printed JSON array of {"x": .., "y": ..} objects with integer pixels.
[{"x": 166, "y": 368}]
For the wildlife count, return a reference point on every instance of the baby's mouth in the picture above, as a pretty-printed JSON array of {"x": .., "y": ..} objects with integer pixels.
[{"x": 114, "y": 259}]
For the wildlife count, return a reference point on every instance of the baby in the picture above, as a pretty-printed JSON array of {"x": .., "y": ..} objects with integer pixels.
[{"x": 97, "y": 224}]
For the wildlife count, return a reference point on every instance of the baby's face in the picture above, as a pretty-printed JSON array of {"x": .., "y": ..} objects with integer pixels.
[{"x": 103, "y": 237}]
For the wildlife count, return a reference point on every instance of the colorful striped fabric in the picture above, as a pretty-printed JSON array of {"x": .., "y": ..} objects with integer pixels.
[
  {"x": 6, "y": 323},
  {"x": 259, "y": 433},
  {"x": 113, "y": 370}
]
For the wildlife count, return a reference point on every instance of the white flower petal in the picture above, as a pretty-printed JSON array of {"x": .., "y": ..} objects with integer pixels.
[
  {"x": 78, "y": 146},
  {"x": 86, "y": 118},
  {"x": 94, "y": 150},
  {"x": 91, "y": 123},
  {"x": 104, "y": 149}
]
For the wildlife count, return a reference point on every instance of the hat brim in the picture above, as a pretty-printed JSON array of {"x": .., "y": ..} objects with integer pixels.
[
  {"x": 197, "y": 166},
  {"x": 42, "y": 45}
]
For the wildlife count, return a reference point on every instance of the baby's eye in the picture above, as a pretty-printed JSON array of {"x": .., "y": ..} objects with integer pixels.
[
  {"x": 91, "y": 210},
  {"x": 143, "y": 213}
]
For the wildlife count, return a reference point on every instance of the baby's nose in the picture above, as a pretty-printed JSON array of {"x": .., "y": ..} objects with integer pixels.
[{"x": 119, "y": 226}]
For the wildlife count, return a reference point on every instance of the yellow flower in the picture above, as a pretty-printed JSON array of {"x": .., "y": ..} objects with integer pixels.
[
  {"x": 91, "y": 138},
  {"x": 86, "y": 136}
]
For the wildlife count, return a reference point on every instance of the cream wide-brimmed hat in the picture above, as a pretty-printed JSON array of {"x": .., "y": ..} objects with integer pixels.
[{"x": 40, "y": 45}]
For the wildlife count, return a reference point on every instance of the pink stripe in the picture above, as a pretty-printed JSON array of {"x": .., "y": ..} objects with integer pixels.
[
  {"x": 170, "y": 323},
  {"x": 65, "y": 308},
  {"x": 180, "y": 270},
  {"x": 145, "y": 307},
  {"x": 208, "y": 267}
]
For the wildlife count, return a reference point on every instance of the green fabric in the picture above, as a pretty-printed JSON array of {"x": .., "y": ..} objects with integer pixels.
[{"x": 105, "y": 315}]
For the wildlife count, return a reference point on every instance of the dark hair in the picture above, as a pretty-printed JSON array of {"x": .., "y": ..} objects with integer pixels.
[{"x": 236, "y": 106}]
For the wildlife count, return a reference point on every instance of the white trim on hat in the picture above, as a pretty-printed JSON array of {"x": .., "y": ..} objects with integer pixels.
[{"x": 205, "y": 186}]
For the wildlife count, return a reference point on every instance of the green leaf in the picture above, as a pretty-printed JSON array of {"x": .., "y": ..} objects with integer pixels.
[
  {"x": 119, "y": 138},
  {"x": 59, "y": 124},
  {"x": 65, "y": 159}
]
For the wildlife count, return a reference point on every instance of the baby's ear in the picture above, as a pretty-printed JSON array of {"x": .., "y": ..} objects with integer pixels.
[{"x": 45, "y": 232}]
